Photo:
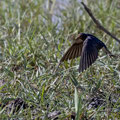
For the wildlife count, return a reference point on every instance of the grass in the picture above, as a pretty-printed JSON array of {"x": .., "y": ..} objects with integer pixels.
[{"x": 31, "y": 45}]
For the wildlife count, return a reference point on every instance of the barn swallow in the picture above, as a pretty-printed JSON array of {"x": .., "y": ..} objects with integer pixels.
[{"x": 87, "y": 46}]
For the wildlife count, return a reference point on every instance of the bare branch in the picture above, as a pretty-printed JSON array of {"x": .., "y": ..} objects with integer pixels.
[{"x": 98, "y": 23}]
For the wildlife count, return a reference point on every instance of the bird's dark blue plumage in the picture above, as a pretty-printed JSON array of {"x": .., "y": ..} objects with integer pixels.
[
  {"x": 87, "y": 46},
  {"x": 95, "y": 41}
]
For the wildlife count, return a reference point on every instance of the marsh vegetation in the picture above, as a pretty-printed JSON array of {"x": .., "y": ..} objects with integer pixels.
[{"x": 33, "y": 37}]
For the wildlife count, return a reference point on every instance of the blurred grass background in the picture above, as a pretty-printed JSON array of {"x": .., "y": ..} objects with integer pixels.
[{"x": 34, "y": 36}]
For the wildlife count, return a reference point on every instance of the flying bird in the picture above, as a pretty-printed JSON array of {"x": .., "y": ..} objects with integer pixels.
[{"x": 87, "y": 46}]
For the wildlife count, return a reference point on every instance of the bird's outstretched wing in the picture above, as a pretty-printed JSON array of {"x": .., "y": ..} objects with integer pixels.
[
  {"x": 89, "y": 54},
  {"x": 73, "y": 52}
]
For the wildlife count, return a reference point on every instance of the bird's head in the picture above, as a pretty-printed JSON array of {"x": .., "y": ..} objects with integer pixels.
[{"x": 82, "y": 36}]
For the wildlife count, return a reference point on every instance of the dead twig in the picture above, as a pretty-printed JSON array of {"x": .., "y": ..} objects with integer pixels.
[{"x": 98, "y": 23}]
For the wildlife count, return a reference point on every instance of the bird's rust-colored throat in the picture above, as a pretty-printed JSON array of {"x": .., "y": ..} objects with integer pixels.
[{"x": 77, "y": 41}]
